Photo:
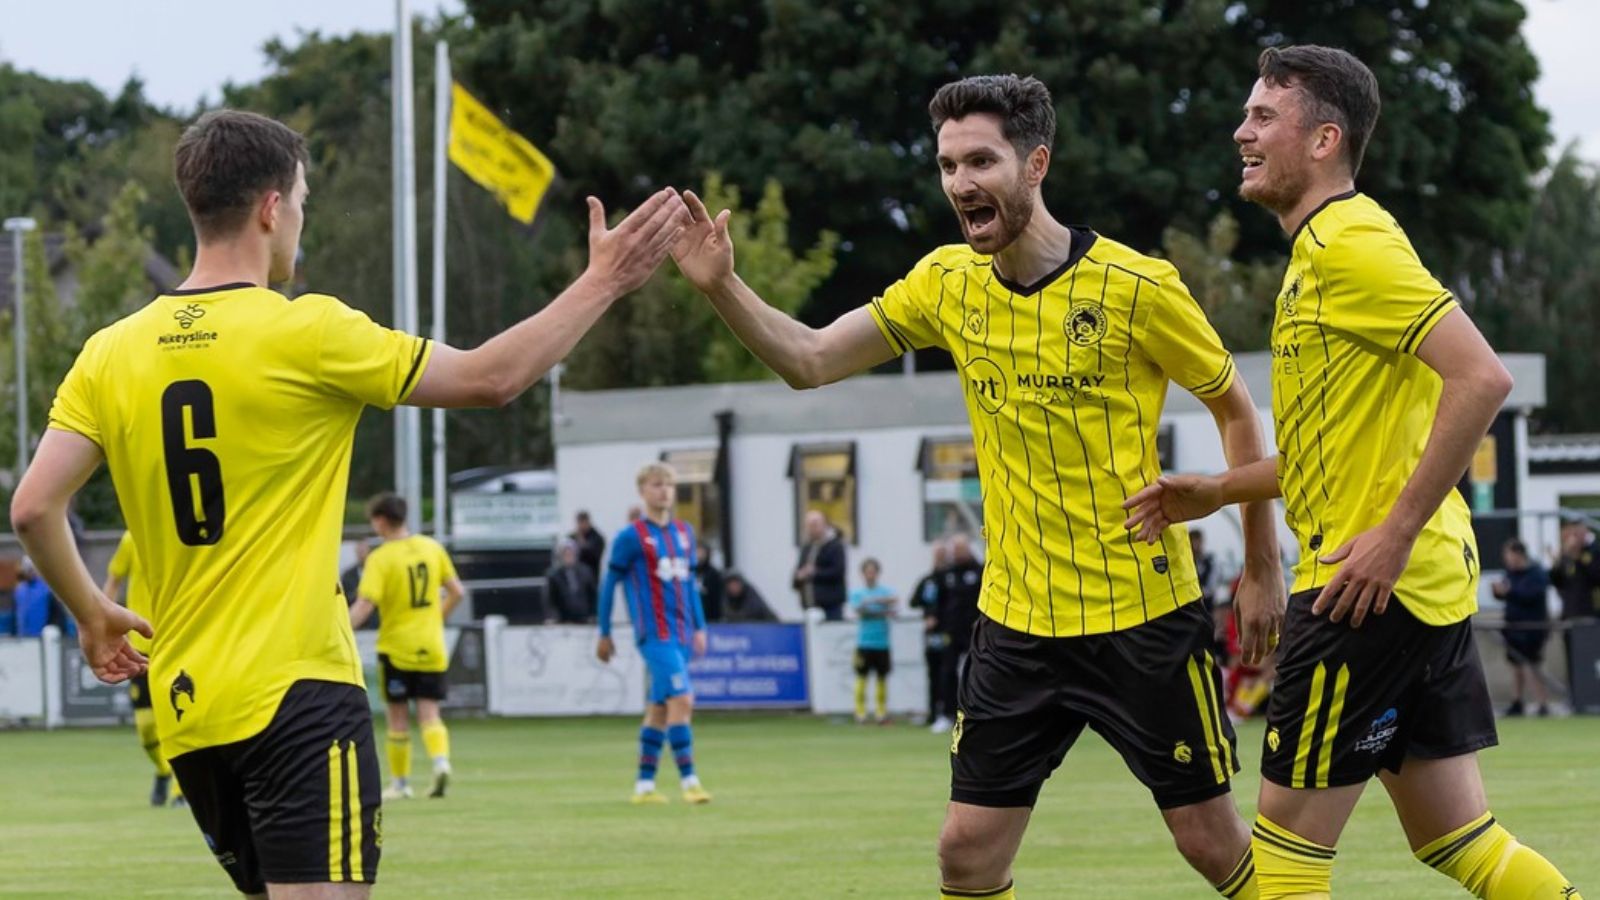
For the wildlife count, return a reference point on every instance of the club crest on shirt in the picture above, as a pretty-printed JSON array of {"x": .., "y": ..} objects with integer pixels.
[
  {"x": 975, "y": 323},
  {"x": 1291, "y": 294},
  {"x": 1086, "y": 323}
]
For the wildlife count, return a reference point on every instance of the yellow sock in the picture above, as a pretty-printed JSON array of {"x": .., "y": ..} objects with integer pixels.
[
  {"x": 1489, "y": 862},
  {"x": 399, "y": 754},
  {"x": 1289, "y": 867},
  {"x": 436, "y": 738},
  {"x": 883, "y": 698},
  {"x": 1005, "y": 892},
  {"x": 1241, "y": 882},
  {"x": 144, "y": 720},
  {"x": 861, "y": 696}
]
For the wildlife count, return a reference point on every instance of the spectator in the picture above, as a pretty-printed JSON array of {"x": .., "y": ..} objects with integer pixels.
[
  {"x": 1576, "y": 572},
  {"x": 571, "y": 586},
  {"x": 635, "y": 513},
  {"x": 9, "y": 571},
  {"x": 820, "y": 574},
  {"x": 591, "y": 543},
  {"x": 962, "y": 584},
  {"x": 33, "y": 601},
  {"x": 709, "y": 579},
  {"x": 1523, "y": 589},
  {"x": 741, "y": 602},
  {"x": 350, "y": 579},
  {"x": 873, "y": 605},
  {"x": 935, "y": 639}
]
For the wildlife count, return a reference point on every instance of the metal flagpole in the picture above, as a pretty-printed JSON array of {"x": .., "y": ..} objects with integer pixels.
[
  {"x": 396, "y": 81},
  {"x": 441, "y": 172},
  {"x": 19, "y": 227},
  {"x": 409, "y": 417}
]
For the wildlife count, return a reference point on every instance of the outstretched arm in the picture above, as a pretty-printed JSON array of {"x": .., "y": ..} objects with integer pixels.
[
  {"x": 620, "y": 261},
  {"x": 803, "y": 356},
  {"x": 65, "y": 461},
  {"x": 360, "y": 612}
]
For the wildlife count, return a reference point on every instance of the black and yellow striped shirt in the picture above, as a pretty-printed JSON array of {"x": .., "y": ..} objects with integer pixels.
[
  {"x": 1353, "y": 406},
  {"x": 1064, "y": 382}
]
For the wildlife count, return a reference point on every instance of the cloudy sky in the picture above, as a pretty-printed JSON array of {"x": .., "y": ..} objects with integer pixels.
[{"x": 187, "y": 49}]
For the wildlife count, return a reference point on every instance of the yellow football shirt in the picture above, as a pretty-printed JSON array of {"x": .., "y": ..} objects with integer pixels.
[
  {"x": 1353, "y": 406},
  {"x": 1064, "y": 382},
  {"x": 226, "y": 417},
  {"x": 403, "y": 579},
  {"x": 125, "y": 566}
]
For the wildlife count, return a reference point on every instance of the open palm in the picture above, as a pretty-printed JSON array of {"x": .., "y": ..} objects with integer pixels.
[{"x": 704, "y": 253}]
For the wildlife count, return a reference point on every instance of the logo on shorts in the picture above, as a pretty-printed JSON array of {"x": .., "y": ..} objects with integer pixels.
[
  {"x": 1381, "y": 733},
  {"x": 1182, "y": 753},
  {"x": 955, "y": 733},
  {"x": 377, "y": 827},
  {"x": 1273, "y": 740},
  {"x": 183, "y": 684}
]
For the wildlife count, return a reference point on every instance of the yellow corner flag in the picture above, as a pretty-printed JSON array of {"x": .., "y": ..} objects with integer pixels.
[{"x": 496, "y": 157}]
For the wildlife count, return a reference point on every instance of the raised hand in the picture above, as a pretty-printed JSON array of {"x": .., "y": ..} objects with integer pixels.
[
  {"x": 630, "y": 253},
  {"x": 704, "y": 253},
  {"x": 1172, "y": 499},
  {"x": 104, "y": 640}
]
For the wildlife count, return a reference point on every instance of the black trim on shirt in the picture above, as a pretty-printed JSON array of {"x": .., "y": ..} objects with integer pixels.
[
  {"x": 1320, "y": 207},
  {"x": 416, "y": 363},
  {"x": 1082, "y": 240},
  {"x": 189, "y": 292}
]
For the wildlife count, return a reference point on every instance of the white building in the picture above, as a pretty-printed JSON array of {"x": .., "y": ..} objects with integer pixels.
[{"x": 888, "y": 457}]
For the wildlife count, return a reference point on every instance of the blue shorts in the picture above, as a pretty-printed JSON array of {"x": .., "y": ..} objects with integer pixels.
[{"x": 666, "y": 666}]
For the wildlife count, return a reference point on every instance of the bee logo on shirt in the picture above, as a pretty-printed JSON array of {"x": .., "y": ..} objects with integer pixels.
[
  {"x": 1086, "y": 324},
  {"x": 186, "y": 317}
]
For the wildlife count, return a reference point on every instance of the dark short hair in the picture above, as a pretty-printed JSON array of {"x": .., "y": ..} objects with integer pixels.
[
  {"x": 1516, "y": 546},
  {"x": 1022, "y": 103},
  {"x": 1338, "y": 87},
  {"x": 226, "y": 160},
  {"x": 387, "y": 505},
  {"x": 873, "y": 562}
]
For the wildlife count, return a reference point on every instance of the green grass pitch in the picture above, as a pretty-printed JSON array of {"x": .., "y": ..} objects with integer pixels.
[{"x": 804, "y": 807}]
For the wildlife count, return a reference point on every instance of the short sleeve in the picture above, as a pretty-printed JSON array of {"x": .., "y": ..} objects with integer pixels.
[
  {"x": 904, "y": 313},
  {"x": 362, "y": 360},
  {"x": 1180, "y": 340},
  {"x": 1377, "y": 290},
  {"x": 74, "y": 409},
  {"x": 371, "y": 586}
]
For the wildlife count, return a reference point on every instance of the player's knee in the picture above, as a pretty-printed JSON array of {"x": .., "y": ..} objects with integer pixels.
[
  {"x": 967, "y": 858},
  {"x": 1206, "y": 851}
]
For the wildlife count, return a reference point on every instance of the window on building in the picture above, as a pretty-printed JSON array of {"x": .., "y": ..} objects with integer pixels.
[
  {"x": 699, "y": 497},
  {"x": 825, "y": 480},
  {"x": 1166, "y": 452},
  {"x": 952, "y": 495}
]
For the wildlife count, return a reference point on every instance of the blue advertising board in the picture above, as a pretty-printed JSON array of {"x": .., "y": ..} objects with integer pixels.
[{"x": 751, "y": 666}]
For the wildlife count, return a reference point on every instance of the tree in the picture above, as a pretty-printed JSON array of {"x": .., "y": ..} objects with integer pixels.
[
  {"x": 830, "y": 101},
  {"x": 1235, "y": 294}
]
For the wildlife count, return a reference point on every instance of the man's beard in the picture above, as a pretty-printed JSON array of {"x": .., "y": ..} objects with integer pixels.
[
  {"x": 1013, "y": 211},
  {"x": 1279, "y": 192}
]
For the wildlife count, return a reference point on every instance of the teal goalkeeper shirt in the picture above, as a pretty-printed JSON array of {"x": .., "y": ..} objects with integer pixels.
[{"x": 871, "y": 605}]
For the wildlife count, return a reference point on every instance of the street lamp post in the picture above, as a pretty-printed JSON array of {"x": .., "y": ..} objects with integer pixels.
[{"x": 19, "y": 227}]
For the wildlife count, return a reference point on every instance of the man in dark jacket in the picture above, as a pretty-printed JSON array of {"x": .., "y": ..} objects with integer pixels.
[
  {"x": 571, "y": 586},
  {"x": 927, "y": 597},
  {"x": 741, "y": 602},
  {"x": 1523, "y": 589},
  {"x": 819, "y": 576},
  {"x": 963, "y": 582},
  {"x": 591, "y": 544},
  {"x": 709, "y": 579},
  {"x": 1576, "y": 572}
]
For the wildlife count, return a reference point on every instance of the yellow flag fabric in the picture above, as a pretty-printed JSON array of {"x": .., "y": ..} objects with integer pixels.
[{"x": 496, "y": 157}]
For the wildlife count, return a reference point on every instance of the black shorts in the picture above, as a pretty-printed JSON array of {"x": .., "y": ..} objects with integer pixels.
[
  {"x": 1152, "y": 691},
  {"x": 400, "y": 685},
  {"x": 1525, "y": 645},
  {"x": 1350, "y": 701},
  {"x": 297, "y": 803},
  {"x": 875, "y": 661},
  {"x": 139, "y": 691}
]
